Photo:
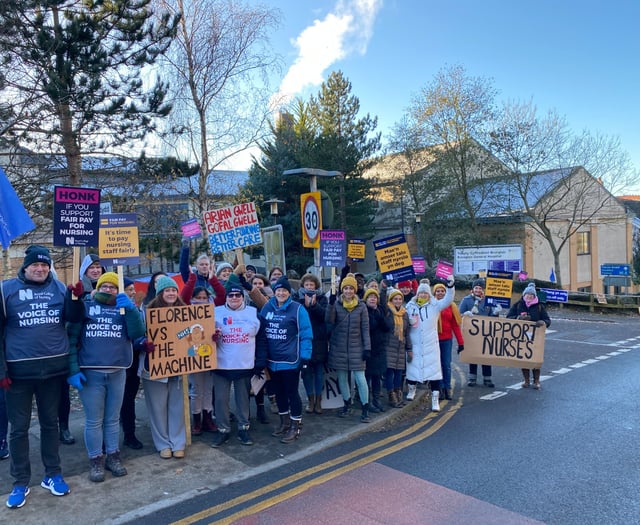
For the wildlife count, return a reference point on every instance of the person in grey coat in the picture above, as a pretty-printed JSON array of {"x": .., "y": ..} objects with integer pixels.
[{"x": 350, "y": 343}]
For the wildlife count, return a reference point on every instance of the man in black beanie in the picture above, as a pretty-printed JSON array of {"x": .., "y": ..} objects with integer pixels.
[{"x": 34, "y": 361}]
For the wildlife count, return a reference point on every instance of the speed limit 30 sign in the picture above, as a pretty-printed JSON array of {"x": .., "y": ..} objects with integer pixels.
[{"x": 311, "y": 219}]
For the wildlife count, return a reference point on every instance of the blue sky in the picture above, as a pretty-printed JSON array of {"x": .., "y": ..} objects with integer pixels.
[{"x": 580, "y": 58}]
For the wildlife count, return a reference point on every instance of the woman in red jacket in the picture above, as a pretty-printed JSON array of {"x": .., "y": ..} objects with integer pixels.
[{"x": 448, "y": 326}]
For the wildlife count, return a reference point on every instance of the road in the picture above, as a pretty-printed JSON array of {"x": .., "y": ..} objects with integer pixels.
[{"x": 564, "y": 455}]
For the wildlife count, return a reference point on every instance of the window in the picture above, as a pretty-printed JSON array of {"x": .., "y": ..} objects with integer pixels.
[{"x": 583, "y": 243}]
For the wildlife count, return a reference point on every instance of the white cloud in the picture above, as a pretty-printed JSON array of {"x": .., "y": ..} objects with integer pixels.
[{"x": 346, "y": 30}]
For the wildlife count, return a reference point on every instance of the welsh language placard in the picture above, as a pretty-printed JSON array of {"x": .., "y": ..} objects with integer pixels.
[
  {"x": 502, "y": 342},
  {"x": 76, "y": 216},
  {"x": 181, "y": 336},
  {"x": 232, "y": 227}
]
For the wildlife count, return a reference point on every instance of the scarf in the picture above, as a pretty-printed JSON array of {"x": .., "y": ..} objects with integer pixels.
[
  {"x": 350, "y": 304},
  {"x": 398, "y": 322},
  {"x": 456, "y": 316},
  {"x": 422, "y": 302},
  {"x": 531, "y": 302}
]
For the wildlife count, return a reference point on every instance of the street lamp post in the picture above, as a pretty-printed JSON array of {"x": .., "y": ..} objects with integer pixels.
[
  {"x": 418, "y": 222},
  {"x": 273, "y": 204}
]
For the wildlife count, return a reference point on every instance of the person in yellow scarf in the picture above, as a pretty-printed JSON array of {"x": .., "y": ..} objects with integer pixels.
[
  {"x": 449, "y": 324},
  {"x": 399, "y": 348}
]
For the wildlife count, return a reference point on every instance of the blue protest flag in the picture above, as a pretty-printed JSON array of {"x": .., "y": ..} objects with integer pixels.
[{"x": 14, "y": 219}]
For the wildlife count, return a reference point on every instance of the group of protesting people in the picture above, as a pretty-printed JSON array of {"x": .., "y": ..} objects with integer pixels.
[{"x": 92, "y": 336}]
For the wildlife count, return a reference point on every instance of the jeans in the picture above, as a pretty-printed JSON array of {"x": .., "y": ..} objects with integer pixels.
[
  {"x": 473, "y": 371},
  {"x": 375, "y": 381},
  {"x": 445, "y": 362},
  {"x": 4, "y": 419},
  {"x": 393, "y": 379},
  {"x": 361, "y": 383},
  {"x": 19, "y": 404},
  {"x": 313, "y": 379},
  {"x": 102, "y": 399},
  {"x": 285, "y": 384},
  {"x": 241, "y": 388}
]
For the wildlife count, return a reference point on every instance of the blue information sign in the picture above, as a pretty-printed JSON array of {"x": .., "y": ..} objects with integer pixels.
[
  {"x": 622, "y": 270},
  {"x": 555, "y": 295}
]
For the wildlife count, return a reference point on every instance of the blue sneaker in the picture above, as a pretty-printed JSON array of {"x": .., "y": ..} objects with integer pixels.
[
  {"x": 18, "y": 497},
  {"x": 56, "y": 485}
]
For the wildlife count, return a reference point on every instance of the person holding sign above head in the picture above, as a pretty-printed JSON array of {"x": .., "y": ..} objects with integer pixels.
[
  {"x": 399, "y": 349},
  {"x": 424, "y": 311},
  {"x": 350, "y": 343},
  {"x": 163, "y": 397},
  {"x": 287, "y": 335},
  {"x": 237, "y": 361},
  {"x": 449, "y": 324},
  {"x": 101, "y": 352},
  {"x": 476, "y": 304},
  {"x": 529, "y": 308},
  {"x": 202, "y": 268}
]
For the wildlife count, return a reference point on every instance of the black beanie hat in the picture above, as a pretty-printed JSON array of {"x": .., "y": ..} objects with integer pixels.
[
  {"x": 233, "y": 284},
  {"x": 283, "y": 282},
  {"x": 36, "y": 253}
]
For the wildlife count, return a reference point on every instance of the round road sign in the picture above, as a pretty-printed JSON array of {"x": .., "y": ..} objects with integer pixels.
[{"x": 311, "y": 218}]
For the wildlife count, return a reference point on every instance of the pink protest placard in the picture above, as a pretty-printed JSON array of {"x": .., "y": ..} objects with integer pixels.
[{"x": 444, "y": 269}]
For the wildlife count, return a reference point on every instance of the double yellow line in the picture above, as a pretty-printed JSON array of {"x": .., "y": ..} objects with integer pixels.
[{"x": 373, "y": 452}]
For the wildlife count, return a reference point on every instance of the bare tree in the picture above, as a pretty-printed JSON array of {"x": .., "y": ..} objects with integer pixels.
[{"x": 219, "y": 63}]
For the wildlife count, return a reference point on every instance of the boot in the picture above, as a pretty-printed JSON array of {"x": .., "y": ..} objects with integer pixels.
[
  {"x": 293, "y": 431},
  {"x": 114, "y": 464},
  {"x": 364, "y": 417},
  {"x": 399, "y": 396},
  {"x": 346, "y": 409},
  {"x": 536, "y": 378},
  {"x": 375, "y": 401},
  {"x": 488, "y": 383},
  {"x": 412, "y": 392},
  {"x": 447, "y": 394},
  {"x": 196, "y": 426},
  {"x": 372, "y": 408},
  {"x": 66, "y": 438},
  {"x": 273, "y": 404},
  {"x": 525, "y": 375},
  {"x": 317, "y": 409},
  {"x": 435, "y": 404},
  {"x": 311, "y": 404},
  {"x": 285, "y": 425},
  {"x": 96, "y": 472},
  {"x": 208, "y": 424},
  {"x": 443, "y": 394},
  {"x": 393, "y": 399},
  {"x": 262, "y": 415}
]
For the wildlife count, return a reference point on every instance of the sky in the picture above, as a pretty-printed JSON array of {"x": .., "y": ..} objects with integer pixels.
[{"x": 580, "y": 58}]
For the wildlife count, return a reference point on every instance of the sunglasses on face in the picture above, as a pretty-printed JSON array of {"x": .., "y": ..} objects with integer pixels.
[{"x": 234, "y": 294}]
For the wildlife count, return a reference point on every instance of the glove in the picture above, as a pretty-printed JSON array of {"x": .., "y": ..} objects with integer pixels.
[
  {"x": 5, "y": 383},
  {"x": 245, "y": 284},
  {"x": 524, "y": 317},
  {"x": 497, "y": 309},
  {"x": 304, "y": 363},
  {"x": 185, "y": 242},
  {"x": 366, "y": 355},
  {"x": 258, "y": 371},
  {"x": 216, "y": 335},
  {"x": 148, "y": 347},
  {"x": 540, "y": 323},
  {"x": 468, "y": 314},
  {"x": 450, "y": 282},
  {"x": 409, "y": 356},
  {"x": 77, "y": 289},
  {"x": 76, "y": 380},
  {"x": 123, "y": 301},
  {"x": 332, "y": 299},
  {"x": 460, "y": 348}
]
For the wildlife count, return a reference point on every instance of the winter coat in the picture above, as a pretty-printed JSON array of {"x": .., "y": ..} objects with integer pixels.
[
  {"x": 350, "y": 338},
  {"x": 396, "y": 349},
  {"x": 425, "y": 365},
  {"x": 317, "y": 314},
  {"x": 380, "y": 324},
  {"x": 537, "y": 312}
]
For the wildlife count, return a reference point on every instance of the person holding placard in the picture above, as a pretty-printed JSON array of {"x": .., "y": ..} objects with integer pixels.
[
  {"x": 529, "y": 308},
  {"x": 423, "y": 312},
  {"x": 449, "y": 324},
  {"x": 287, "y": 334},
  {"x": 202, "y": 268},
  {"x": 399, "y": 349},
  {"x": 476, "y": 304},
  {"x": 350, "y": 344},
  {"x": 163, "y": 397},
  {"x": 101, "y": 351}
]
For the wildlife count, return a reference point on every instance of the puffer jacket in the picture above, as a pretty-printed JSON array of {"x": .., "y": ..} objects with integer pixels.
[
  {"x": 349, "y": 336},
  {"x": 380, "y": 324},
  {"x": 396, "y": 349}
]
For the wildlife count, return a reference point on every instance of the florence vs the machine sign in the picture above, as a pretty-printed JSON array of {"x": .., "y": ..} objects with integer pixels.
[{"x": 76, "y": 215}]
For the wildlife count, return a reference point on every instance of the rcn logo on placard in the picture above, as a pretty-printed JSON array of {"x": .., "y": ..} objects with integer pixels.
[
  {"x": 25, "y": 295},
  {"x": 269, "y": 316},
  {"x": 94, "y": 310},
  {"x": 227, "y": 320}
]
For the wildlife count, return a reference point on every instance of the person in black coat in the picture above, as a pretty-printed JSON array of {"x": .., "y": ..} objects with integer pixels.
[
  {"x": 529, "y": 308},
  {"x": 380, "y": 324}
]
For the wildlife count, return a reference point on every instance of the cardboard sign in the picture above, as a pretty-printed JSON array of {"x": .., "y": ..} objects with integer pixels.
[
  {"x": 232, "y": 227},
  {"x": 394, "y": 258},
  {"x": 119, "y": 239},
  {"x": 356, "y": 249},
  {"x": 182, "y": 339},
  {"x": 76, "y": 216},
  {"x": 333, "y": 248},
  {"x": 499, "y": 288},
  {"x": 191, "y": 229},
  {"x": 502, "y": 342}
]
